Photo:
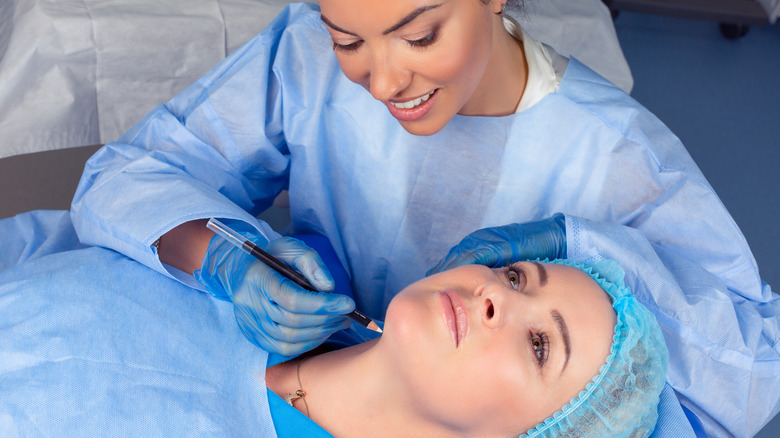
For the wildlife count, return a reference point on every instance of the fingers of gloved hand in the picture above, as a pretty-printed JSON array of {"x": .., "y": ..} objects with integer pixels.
[
  {"x": 306, "y": 334},
  {"x": 304, "y": 260},
  {"x": 280, "y": 315},
  {"x": 270, "y": 312},
  {"x": 285, "y": 341},
  {"x": 500, "y": 246},
  {"x": 486, "y": 255},
  {"x": 263, "y": 282},
  {"x": 284, "y": 293}
]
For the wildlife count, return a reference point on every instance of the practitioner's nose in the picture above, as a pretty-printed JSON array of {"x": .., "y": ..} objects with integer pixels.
[{"x": 387, "y": 75}]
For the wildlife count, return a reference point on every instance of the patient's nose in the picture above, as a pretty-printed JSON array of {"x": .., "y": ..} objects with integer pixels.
[{"x": 492, "y": 299}]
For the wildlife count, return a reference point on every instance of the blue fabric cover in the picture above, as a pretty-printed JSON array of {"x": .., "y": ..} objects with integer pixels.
[{"x": 95, "y": 344}]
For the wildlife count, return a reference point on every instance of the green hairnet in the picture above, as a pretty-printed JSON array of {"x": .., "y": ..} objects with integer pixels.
[{"x": 622, "y": 400}]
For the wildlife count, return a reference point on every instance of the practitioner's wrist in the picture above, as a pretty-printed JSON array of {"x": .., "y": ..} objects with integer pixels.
[{"x": 185, "y": 246}]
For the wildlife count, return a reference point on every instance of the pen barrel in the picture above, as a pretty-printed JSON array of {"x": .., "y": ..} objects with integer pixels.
[
  {"x": 360, "y": 318},
  {"x": 279, "y": 266}
]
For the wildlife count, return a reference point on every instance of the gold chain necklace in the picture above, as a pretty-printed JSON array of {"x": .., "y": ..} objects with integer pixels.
[{"x": 299, "y": 393}]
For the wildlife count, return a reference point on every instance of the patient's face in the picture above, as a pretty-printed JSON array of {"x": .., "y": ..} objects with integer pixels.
[{"x": 498, "y": 350}]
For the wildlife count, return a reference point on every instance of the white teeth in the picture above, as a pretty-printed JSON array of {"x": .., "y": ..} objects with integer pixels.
[{"x": 412, "y": 103}]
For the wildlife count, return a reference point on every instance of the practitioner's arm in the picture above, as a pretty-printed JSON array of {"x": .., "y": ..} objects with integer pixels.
[
  {"x": 184, "y": 247},
  {"x": 203, "y": 154}
]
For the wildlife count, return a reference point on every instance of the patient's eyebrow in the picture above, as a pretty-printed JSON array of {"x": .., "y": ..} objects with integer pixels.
[
  {"x": 401, "y": 23},
  {"x": 564, "y": 330},
  {"x": 542, "y": 273}
]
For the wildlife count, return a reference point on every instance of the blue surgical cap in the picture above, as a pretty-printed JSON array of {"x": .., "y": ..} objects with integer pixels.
[{"x": 622, "y": 400}]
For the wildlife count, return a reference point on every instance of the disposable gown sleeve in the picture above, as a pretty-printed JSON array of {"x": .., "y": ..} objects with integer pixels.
[
  {"x": 216, "y": 150},
  {"x": 724, "y": 349}
]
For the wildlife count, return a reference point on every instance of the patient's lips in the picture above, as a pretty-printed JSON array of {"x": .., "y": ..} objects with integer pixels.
[{"x": 455, "y": 315}]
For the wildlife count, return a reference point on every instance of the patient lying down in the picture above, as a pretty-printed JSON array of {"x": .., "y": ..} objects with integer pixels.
[
  {"x": 93, "y": 343},
  {"x": 538, "y": 348}
]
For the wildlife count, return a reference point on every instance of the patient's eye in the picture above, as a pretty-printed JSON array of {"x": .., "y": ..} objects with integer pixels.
[
  {"x": 540, "y": 346},
  {"x": 514, "y": 278},
  {"x": 515, "y": 275}
]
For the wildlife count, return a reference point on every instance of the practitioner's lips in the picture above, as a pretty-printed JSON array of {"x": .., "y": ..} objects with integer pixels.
[
  {"x": 455, "y": 315},
  {"x": 412, "y": 109}
]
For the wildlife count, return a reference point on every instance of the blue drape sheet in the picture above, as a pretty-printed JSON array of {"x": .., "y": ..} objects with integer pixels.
[{"x": 90, "y": 347}]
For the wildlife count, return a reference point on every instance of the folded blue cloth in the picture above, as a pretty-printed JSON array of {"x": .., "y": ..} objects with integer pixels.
[{"x": 95, "y": 344}]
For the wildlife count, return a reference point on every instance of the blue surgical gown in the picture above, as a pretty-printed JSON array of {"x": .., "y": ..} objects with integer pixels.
[
  {"x": 278, "y": 114},
  {"x": 89, "y": 346}
]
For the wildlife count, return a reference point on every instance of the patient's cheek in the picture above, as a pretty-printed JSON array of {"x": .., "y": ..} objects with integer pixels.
[
  {"x": 400, "y": 317},
  {"x": 412, "y": 325}
]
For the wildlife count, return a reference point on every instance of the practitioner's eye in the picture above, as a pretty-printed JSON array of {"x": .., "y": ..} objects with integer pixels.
[
  {"x": 351, "y": 47},
  {"x": 540, "y": 346},
  {"x": 426, "y": 40}
]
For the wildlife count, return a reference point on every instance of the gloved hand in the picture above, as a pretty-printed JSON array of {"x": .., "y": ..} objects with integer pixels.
[
  {"x": 272, "y": 311},
  {"x": 500, "y": 246}
]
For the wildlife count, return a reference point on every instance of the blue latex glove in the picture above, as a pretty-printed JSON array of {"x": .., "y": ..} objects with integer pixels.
[
  {"x": 500, "y": 246},
  {"x": 272, "y": 311}
]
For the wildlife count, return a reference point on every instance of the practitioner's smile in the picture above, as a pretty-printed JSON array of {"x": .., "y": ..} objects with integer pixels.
[{"x": 412, "y": 109}]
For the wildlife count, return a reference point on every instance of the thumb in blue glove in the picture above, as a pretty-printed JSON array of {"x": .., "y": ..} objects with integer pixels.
[
  {"x": 500, "y": 246},
  {"x": 272, "y": 311}
]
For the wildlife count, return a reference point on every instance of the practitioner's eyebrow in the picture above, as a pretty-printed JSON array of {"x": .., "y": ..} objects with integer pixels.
[
  {"x": 401, "y": 23},
  {"x": 334, "y": 27},
  {"x": 560, "y": 323},
  {"x": 408, "y": 19}
]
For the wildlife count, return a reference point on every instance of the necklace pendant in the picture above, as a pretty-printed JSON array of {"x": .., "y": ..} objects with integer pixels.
[{"x": 291, "y": 398}]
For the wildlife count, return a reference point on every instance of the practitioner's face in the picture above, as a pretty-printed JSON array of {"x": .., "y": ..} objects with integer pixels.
[
  {"x": 403, "y": 51},
  {"x": 493, "y": 352}
]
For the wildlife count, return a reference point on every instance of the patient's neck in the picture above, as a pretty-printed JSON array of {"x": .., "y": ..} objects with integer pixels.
[{"x": 351, "y": 392}]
